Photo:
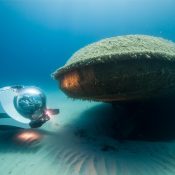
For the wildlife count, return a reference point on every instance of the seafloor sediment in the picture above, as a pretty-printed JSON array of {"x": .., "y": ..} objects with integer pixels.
[{"x": 83, "y": 141}]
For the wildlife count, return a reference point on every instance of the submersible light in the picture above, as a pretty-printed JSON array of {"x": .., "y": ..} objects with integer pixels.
[{"x": 24, "y": 107}]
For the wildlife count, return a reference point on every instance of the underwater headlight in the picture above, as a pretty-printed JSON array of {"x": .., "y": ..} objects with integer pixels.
[{"x": 24, "y": 107}]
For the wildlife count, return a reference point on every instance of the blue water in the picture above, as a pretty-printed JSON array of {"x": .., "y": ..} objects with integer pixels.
[
  {"x": 36, "y": 37},
  {"x": 39, "y": 36}
]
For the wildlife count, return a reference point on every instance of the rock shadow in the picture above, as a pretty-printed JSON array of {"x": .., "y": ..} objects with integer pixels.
[{"x": 151, "y": 121}]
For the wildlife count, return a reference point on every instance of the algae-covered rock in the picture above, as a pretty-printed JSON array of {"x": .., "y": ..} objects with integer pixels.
[{"x": 123, "y": 68}]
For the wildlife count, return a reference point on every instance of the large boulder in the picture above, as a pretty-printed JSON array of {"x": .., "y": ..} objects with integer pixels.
[{"x": 122, "y": 68}]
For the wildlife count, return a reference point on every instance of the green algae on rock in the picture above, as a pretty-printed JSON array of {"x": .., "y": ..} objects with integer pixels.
[{"x": 122, "y": 68}]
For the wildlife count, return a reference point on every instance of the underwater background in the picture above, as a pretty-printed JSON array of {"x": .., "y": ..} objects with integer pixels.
[{"x": 39, "y": 36}]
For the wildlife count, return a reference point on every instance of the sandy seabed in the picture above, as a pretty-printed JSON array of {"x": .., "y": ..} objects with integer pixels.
[{"x": 80, "y": 141}]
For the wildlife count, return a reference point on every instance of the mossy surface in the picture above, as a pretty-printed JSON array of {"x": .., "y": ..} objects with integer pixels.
[
  {"x": 120, "y": 48},
  {"x": 123, "y": 68}
]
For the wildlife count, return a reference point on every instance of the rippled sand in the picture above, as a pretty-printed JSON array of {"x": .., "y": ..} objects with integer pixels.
[{"x": 83, "y": 141}]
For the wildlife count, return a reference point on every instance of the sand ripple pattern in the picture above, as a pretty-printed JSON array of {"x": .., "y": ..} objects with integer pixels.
[{"x": 78, "y": 147}]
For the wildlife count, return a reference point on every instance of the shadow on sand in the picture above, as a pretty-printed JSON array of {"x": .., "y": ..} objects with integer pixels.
[
  {"x": 132, "y": 139},
  {"x": 153, "y": 121},
  {"x": 135, "y": 122}
]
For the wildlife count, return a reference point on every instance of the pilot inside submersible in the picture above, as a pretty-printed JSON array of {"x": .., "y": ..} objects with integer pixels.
[{"x": 24, "y": 107}]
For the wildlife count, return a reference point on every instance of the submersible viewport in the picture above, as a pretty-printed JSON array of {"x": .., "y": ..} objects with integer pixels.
[{"x": 24, "y": 107}]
